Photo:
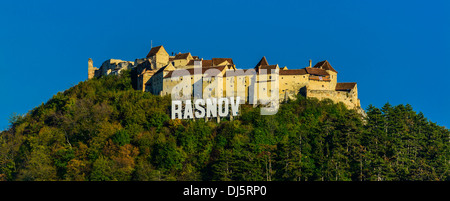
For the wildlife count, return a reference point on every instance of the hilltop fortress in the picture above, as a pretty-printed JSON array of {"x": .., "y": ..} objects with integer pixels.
[{"x": 156, "y": 71}]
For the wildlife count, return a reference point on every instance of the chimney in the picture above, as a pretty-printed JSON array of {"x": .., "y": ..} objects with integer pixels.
[{"x": 310, "y": 63}]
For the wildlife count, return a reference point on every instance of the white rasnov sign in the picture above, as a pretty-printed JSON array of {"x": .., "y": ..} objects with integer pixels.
[{"x": 205, "y": 104}]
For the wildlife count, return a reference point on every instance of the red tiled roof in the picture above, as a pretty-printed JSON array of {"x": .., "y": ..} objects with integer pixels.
[
  {"x": 153, "y": 51},
  {"x": 217, "y": 61},
  {"x": 268, "y": 67},
  {"x": 206, "y": 63},
  {"x": 220, "y": 68},
  {"x": 191, "y": 71},
  {"x": 262, "y": 62},
  {"x": 324, "y": 65},
  {"x": 316, "y": 71},
  {"x": 190, "y": 63},
  {"x": 345, "y": 86},
  {"x": 293, "y": 72},
  {"x": 182, "y": 56}
]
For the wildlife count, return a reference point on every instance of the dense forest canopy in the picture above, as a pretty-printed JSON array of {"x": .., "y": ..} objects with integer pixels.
[{"x": 102, "y": 129}]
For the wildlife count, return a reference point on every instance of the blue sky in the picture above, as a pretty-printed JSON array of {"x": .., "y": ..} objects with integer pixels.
[{"x": 396, "y": 51}]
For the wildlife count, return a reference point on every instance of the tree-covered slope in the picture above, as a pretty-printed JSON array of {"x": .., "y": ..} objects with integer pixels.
[{"x": 103, "y": 129}]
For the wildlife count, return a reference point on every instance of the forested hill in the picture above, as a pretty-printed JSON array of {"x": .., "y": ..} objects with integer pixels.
[{"x": 102, "y": 129}]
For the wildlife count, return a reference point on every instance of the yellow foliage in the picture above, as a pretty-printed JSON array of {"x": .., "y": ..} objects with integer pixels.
[{"x": 76, "y": 170}]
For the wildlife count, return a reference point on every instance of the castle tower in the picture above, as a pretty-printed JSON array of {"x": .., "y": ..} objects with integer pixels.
[
  {"x": 91, "y": 69},
  {"x": 325, "y": 65},
  {"x": 159, "y": 57},
  {"x": 262, "y": 62}
]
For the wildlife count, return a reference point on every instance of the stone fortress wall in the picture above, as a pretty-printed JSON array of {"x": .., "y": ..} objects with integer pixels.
[{"x": 156, "y": 71}]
